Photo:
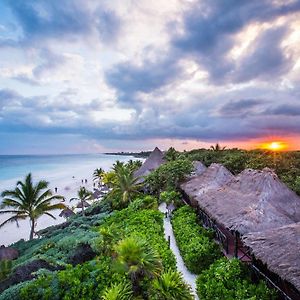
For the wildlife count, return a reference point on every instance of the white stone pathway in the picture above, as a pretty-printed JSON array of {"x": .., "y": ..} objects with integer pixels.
[{"x": 188, "y": 277}]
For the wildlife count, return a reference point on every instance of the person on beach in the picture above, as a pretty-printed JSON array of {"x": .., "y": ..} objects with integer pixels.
[{"x": 55, "y": 190}]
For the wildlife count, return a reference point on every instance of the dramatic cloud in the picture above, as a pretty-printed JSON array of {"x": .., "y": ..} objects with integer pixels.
[{"x": 192, "y": 72}]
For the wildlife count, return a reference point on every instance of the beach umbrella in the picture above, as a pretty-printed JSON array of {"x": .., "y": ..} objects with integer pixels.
[{"x": 66, "y": 213}]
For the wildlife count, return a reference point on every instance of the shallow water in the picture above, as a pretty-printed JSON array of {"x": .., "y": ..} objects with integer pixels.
[{"x": 65, "y": 172}]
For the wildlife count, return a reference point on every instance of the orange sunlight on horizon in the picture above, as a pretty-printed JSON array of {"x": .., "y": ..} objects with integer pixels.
[{"x": 275, "y": 146}]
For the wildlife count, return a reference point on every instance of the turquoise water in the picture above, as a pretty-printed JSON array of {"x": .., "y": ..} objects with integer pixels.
[
  {"x": 62, "y": 171},
  {"x": 14, "y": 166}
]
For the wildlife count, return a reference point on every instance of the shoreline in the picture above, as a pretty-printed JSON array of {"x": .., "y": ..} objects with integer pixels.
[{"x": 68, "y": 179}]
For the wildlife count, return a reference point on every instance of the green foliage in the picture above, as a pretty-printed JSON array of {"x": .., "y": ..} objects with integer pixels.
[
  {"x": 5, "y": 269},
  {"x": 171, "y": 154},
  {"x": 170, "y": 286},
  {"x": 58, "y": 242},
  {"x": 227, "y": 280},
  {"x": 13, "y": 293},
  {"x": 146, "y": 225},
  {"x": 85, "y": 282},
  {"x": 138, "y": 260},
  {"x": 125, "y": 185},
  {"x": 120, "y": 291},
  {"x": 168, "y": 176},
  {"x": 144, "y": 202},
  {"x": 171, "y": 197},
  {"x": 195, "y": 243}
]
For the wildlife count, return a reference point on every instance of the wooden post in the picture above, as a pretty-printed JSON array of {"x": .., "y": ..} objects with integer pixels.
[
  {"x": 169, "y": 240},
  {"x": 236, "y": 244}
]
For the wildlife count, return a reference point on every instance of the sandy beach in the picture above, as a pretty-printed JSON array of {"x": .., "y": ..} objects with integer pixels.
[{"x": 67, "y": 181}]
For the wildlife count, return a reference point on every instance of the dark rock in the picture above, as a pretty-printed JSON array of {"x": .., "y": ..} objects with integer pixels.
[
  {"x": 82, "y": 253},
  {"x": 24, "y": 273},
  {"x": 8, "y": 253}
]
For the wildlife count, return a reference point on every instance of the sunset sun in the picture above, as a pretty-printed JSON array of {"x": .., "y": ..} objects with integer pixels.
[{"x": 274, "y": 146}]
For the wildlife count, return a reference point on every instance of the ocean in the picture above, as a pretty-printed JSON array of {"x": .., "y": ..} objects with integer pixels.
[{"x": 64, "y": 172}]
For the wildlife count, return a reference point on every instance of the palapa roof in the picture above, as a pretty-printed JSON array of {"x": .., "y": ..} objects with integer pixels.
[
  {"x": 279, "y": 249},
  {"x": 155, "y": 159},
  {"x": 213, "y": 177},
  {"x": 199, "y": 168},
  {"x": 66, "y": 213},
  {"x": 8, "y": 253},
  {"x": 252, "y": 201}
]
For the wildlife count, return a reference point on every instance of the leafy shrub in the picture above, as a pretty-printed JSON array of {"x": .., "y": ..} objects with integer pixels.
[
  {"x": 85, "y": 282},
  {"x": 227, "y": 280},
  {"x": 13, "y": 293},
  {"x": 196, "y": 246},
  {"x": 169, "y": 175},
  {"x": 171, "y": 197},
  {"x": 145, "y": 224},
  {"x": 145, "y": 202}
]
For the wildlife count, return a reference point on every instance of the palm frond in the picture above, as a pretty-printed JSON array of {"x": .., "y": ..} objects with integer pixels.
[{"x": 14, "y": 219}]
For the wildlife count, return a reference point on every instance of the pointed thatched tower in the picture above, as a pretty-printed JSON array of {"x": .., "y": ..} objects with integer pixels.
[{"x": 155, "y": 159}]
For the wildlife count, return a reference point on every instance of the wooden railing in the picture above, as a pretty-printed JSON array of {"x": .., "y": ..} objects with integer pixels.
[
  {"x": 260, "y": 275},
  {"x": 209, "y": 223}
]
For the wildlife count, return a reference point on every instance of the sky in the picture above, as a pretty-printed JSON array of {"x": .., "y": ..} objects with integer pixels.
[{"x": 85, "y": 76}]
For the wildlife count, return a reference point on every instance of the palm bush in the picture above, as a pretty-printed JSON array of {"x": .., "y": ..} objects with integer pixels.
[
  {"x": 29, "y": 200},
  {"x": 120, "y": 291},
  {"x": 139, "y": 260},
  {"x": 170, "y": 286}
]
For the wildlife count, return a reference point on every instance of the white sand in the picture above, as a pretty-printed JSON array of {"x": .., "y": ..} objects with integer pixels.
[
  {"x": 67, "y": 186},
  {"x": 11, "y": 233}
]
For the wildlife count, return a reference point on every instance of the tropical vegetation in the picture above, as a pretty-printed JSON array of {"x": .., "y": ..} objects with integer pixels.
[
  {"x": 229, "y": 279},
  {"x": 195, "y": 243},
  {"x": 29, "y": 200}
]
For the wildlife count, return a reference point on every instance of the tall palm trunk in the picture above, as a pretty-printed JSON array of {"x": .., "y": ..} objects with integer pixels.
[{"x": 32, "y": 221}]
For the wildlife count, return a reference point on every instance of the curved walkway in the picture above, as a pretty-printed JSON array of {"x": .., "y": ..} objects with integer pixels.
[{"x": 188, "y": 277}]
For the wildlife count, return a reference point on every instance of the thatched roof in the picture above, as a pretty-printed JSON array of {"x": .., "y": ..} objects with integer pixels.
[
  {"x": 279, "y": 249},
  {"x": 8, "y": 253},
  {"x": 85, "y": 204},
  {"x": 252, "y": 201},
  {"x": 212, "y": 177},
  {"x": 199, "y": 168},
  {"x": 155, "y": 159},
  {"x": 66, "y": 213}
]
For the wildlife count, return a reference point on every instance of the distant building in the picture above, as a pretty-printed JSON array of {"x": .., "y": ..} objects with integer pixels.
[{"x": 155, "y": 160}]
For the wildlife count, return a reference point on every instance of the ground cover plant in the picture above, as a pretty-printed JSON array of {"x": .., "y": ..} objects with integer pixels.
[
  {"x": 195, "y": 243},
  {"x": 229, "y": 279}
]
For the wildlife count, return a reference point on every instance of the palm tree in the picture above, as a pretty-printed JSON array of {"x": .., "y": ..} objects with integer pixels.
[
  {"x": 170, "y": 286},
  {"x": 98, "y": 174},
  {"x": 217, "y": 147},
  {"x": 83, "y": 195},
  {"x": 121, "y": 291},
  {"x": 126, "y": 184},
  {"x": 29, "y": 200},
  {"x": 138, "y": 260}
]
